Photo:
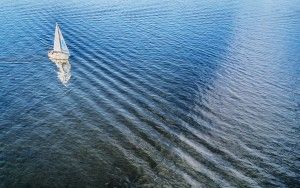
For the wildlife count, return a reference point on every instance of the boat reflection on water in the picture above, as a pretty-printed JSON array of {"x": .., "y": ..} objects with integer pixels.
[{"x": 63, "y": 70}]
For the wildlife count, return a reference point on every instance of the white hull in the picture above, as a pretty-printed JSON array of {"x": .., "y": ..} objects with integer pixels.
[{"x": 58, "y": 55}]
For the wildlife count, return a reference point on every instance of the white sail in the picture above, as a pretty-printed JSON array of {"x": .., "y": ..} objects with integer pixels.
[
  {"x": 63, "y": 44},
  {"x": 59, "y": 42},
  {"x": 57, "y": 46}
]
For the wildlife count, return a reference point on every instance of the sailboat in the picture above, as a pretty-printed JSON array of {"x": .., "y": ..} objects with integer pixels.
[{"x": 60, "y": 50}]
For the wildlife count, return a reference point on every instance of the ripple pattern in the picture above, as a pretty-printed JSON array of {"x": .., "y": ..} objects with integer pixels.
[{"x": 163, "y": 93}]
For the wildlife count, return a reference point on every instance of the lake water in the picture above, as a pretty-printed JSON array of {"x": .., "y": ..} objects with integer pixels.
[{"x": 184, "y": 93}]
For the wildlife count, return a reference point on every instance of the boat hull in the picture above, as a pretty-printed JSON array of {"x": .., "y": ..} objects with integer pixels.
[{"x": 58, "y": 55}]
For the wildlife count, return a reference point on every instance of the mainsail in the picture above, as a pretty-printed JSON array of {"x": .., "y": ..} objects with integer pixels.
[{"x": 59, "y": 41}]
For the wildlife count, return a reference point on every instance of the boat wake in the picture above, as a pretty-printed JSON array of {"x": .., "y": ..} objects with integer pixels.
[{"x": 63, "y": 70}]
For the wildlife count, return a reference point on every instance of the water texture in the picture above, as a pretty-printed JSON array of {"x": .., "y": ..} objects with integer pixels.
[{"x": 180, "y": 93}]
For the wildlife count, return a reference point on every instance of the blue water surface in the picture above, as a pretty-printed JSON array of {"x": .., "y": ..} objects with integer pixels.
[{"x": 184, "y": 93}]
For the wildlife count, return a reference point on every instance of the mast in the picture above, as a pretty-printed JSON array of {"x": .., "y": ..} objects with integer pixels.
[{"x": 59, "y": 39}]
